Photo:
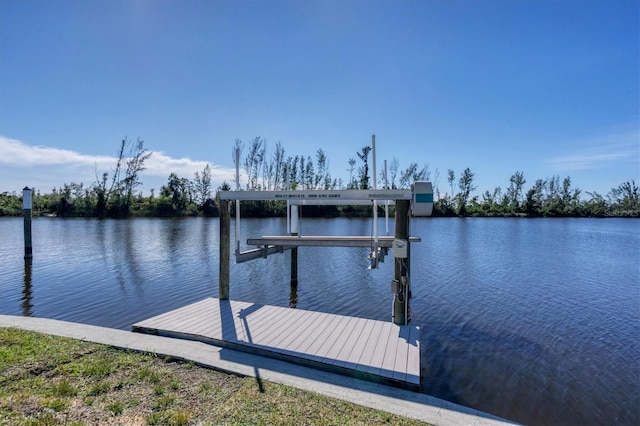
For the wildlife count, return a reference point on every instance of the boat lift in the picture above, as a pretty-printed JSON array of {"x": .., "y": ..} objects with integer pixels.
[
  {"x": 294, "y": 198},
  {"x": 417, "y": 201}
]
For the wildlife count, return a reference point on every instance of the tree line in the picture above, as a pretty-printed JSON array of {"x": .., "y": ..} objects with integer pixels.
[{"x": 117, "y": 194}]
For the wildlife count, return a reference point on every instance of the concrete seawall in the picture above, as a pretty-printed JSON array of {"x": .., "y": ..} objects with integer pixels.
[{"x": 397, "y": 401}]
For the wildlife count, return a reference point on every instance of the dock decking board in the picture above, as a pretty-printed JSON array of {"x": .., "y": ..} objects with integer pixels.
[{"x": 375, "y": 350}]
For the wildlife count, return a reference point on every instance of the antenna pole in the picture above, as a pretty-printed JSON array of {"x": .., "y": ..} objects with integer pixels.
[
  {"x": 386, "y": 202},
  {"x": 375, "y": 202},
  {"x": 237, "y": 201}
]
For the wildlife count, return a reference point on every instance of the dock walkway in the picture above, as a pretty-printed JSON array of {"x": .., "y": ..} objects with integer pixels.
[{"x": 373, "y": 350}]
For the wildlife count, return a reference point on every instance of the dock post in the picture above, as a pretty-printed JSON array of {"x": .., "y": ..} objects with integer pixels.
[
  {"x": 401, "y": 268},
  {"x": 27, "y": 293},
  {"x": 294, "y": 250},
  {"x": 27, "y": 202},
  {"x": 225, "y": 249}
]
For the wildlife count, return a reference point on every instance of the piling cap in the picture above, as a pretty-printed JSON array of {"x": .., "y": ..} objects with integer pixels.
[{"x": 26, "y": 188}]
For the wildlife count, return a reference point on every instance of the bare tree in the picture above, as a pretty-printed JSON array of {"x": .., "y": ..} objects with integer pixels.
[
  {"x": 253, "y": 161},
  {"x": 514, "y": 192},
  {"x": 363, "y": 171},
  {"x": 412, "y": 174},
  {"x": 135, "y": 165},
  {"x": 352, "y": 166},
  {"x": 466, "y": 188},
  {"x": 202, "y": 185},
  {"x": 436, "y": 183},
  {"x": 393, "y": 171},
  {"x": 117, "y": 199},
  {"x": 236, "y": 153},
  {"x": 451, "y": 178},
  {"x": 321, "y": 172}
]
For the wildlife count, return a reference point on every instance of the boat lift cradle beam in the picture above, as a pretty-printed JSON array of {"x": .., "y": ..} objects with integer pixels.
[{"x": 324, "y": 241}]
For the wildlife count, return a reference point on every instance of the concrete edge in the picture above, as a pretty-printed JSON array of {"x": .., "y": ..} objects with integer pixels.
[{"x": 393, "y": 400}]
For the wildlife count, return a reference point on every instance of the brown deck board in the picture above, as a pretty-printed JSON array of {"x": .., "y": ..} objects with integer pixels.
[{"x": 366, "y": 348}]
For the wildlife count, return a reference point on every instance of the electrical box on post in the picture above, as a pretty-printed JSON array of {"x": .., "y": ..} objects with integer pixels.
[
  {"x": 400, "y": 248},
  {"x": 422, "y": 203}
]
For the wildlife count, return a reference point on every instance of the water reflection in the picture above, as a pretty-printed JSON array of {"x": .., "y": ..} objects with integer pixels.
[
  {"x": 131, "y": 255},
  {"x": 293, "y": 295},
  {"x": 27, "y": 295}
]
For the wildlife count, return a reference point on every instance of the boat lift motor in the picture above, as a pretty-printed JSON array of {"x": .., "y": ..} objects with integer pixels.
[{"x": 422, "y": 202}]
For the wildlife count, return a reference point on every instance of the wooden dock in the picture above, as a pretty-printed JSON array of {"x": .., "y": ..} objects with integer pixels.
[{"x": 373, "y": 350}]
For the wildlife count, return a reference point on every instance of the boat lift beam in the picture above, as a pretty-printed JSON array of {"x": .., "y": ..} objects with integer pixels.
[
  {"x": 260, "y": 252},
  {"x": 323, "y": 241},
  {"x": 316, "y": 196}
]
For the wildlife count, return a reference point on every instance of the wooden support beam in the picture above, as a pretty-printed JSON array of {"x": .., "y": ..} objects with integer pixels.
[
  {"x": 27, "y": 202},
  {"x": 225, "y": 249},
  {"x": 401, "y": 268}
]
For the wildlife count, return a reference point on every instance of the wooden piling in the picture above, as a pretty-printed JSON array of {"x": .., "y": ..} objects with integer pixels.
[
  {"x": 27, "y": 294},
  {"x": 225, "y": 249},
  {"x": 27, "y": 202},
  {"x": 401, "y": 269},
  {"x": 294, "y": 266}
]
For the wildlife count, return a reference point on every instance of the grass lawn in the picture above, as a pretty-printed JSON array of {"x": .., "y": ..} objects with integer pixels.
[{"x": 47, "y": 380}]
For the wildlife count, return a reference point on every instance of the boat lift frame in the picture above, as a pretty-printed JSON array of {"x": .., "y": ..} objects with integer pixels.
[
  {"x": 277, "y": 244},
  {"x": 418, "y": 200}
]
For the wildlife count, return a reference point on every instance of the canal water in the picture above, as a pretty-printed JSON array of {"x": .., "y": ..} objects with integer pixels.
[{"x": 535, "y": 320}]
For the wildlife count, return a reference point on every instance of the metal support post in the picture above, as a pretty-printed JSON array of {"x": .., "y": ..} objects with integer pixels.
[{"x": 294, "y": 251}]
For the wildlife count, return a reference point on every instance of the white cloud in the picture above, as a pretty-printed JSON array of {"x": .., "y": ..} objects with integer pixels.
[
  {"x": 17, "y": 153},
  {"x": 607, "y": 151},
  {"x": 160, "y": 164},
  {"x": 45, "y": 167}
]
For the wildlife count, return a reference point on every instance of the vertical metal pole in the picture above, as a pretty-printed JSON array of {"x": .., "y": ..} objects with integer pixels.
[
  {"x": 294, "y": 251},
  {"x": 375, "y": 202},
  {"x": 401, "y": 271},
  {"x": 237, "y": 201},
  {"x": 225, "y": 249},
  {"x": 27, "y": 202},
  {"x": 386, "y": 202}
]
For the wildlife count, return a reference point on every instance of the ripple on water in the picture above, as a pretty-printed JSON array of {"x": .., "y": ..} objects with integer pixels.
[{"x": 533, "y": 320}]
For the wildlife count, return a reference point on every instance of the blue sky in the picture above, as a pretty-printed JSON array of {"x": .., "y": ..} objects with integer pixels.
[{"x": 544, "y": 87}]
